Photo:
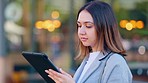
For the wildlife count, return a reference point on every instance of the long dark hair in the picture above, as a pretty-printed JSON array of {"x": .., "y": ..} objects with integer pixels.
[{"x": 106, "y": 26}]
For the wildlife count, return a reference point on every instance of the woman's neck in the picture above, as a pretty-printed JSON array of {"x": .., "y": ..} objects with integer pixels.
[{"x": 95, "y": 49}]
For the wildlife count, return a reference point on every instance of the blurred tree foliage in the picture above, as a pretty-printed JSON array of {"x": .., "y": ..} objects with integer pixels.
[{"x": 140, "y": 12}]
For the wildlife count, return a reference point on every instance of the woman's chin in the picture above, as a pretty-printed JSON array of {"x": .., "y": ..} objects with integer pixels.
[{"x": 85, "y": 44}]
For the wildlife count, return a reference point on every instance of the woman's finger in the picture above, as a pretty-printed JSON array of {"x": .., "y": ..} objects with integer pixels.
[
  {"x": 47, "y": 71},
  {"x": 65, "y": 73},
  {"x": 56, "y": 74},
  {"x": 53, "y": 78},
  {"x": 53, "y": 73},
  {"x": 56, "y": 78}
]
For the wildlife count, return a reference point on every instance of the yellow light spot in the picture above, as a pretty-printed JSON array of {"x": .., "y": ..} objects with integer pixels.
[
  {"x": 56, "y": 23},
  {"x": 47, "y": 24},
  {"x": 140, "y": 24},
  {"x": 39, "y": 24},
  {"x": 55, "y": 14},
  {"x": 123, "y": 23},
  {"x": 133, "y": 22},
  {"x": 51, "y": 29},
  {"x": 129, "y": 26}
]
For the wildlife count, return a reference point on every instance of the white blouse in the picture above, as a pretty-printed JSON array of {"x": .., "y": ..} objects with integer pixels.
[{"x": 91, "y": 58}]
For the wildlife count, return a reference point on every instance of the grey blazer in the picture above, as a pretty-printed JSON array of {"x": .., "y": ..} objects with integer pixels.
[{"x": 106, "y": 68}]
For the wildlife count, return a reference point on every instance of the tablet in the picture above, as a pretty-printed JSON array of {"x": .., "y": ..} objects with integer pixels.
[{"x": 40, "y": 62}]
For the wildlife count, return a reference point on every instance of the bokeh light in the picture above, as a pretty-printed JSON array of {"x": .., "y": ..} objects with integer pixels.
[
  {"x": 133, "y": 22},
  {"x": 140, "y": 24},
  {"x": 141, "y": 50},
  {"x": 47, "y": 24},
  {"x": 56, "y": 23},
  {"x": 39, "y": 24},
  {"x": 129, "y": 26},
  {"x": 55, "y": 14},
  {"x": 123, "y": 23},
  {"x": 139, "y": 71},
  {"x": 51, "y": 29}
]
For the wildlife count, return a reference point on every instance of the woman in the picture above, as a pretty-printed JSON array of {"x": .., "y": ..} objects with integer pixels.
[{"x": 100, "y": 48}]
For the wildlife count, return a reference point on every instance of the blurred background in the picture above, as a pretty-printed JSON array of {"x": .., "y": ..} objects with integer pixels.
[{"x": 49, "y": 26}]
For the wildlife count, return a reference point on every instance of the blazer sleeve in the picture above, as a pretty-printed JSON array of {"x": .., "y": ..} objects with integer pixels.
[{"x": 116, "y": 70}]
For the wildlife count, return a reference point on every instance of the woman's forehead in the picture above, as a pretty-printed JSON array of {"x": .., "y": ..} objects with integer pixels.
[{"x": 85, "y": 16}]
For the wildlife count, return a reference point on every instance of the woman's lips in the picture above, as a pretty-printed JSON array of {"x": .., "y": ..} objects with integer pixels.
[{"x": 84, "y": 39}]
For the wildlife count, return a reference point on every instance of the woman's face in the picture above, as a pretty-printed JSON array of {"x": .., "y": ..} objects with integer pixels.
[{"x": 86, "y": 30}]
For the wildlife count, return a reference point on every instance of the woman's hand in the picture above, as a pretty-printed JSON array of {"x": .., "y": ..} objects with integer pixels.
[{"x": 62, "y": 77}]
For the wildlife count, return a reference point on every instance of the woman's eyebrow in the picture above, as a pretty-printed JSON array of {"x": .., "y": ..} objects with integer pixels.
[
  {"x": 85, "y": 22},
  {"x": 88, "y": 22}
]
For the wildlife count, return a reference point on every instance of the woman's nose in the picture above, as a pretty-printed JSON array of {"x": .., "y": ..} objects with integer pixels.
[{"x": 82, "y": 30}]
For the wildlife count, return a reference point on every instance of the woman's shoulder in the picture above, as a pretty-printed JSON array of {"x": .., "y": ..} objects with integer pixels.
[
  {"x": 117, "y": 70},
  {"x": 116, "y": 59},
  {"x": 117, "y": 62}
]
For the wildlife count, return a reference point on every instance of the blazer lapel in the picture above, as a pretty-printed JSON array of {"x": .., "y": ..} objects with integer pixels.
[
  {"x": 80, "y": 69},
  {"x": 96, "y": 63}
]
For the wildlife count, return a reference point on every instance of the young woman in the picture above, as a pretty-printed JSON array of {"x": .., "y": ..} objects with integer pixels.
[{"x": 100, "y": 48}]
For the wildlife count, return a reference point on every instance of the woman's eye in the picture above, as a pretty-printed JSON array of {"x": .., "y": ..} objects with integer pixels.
[
  {"x": 78, "y": 25},
  {"x": 89, "y": 26}
]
